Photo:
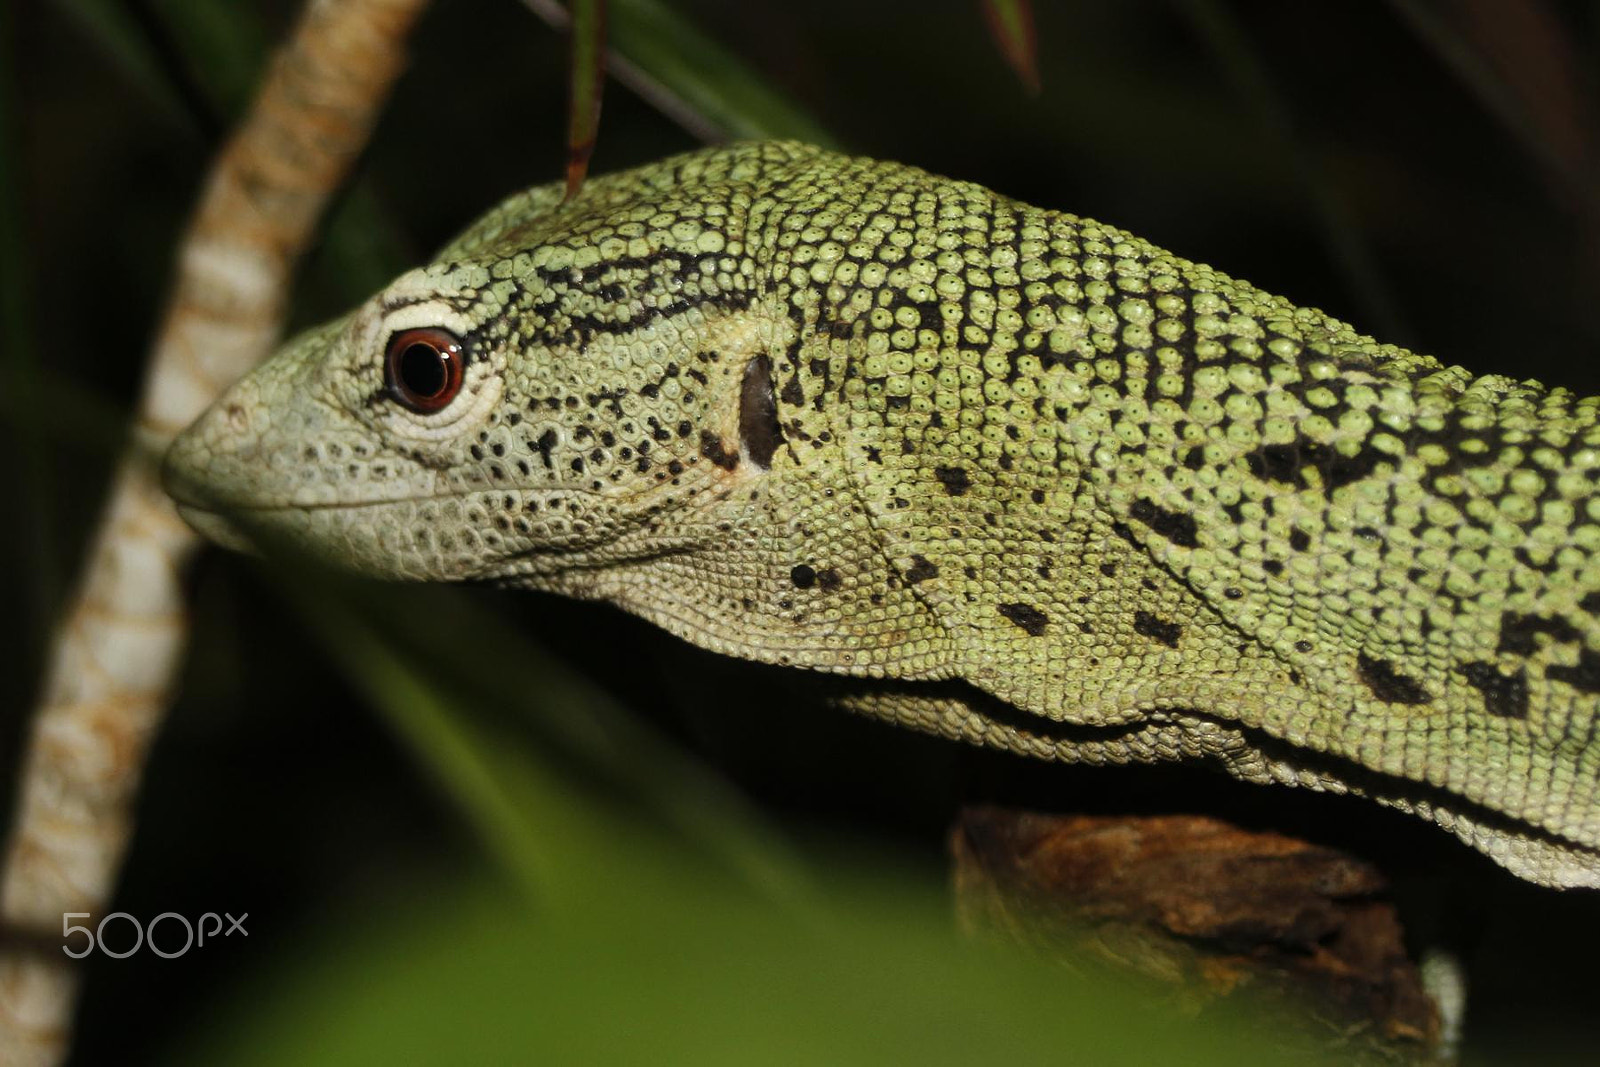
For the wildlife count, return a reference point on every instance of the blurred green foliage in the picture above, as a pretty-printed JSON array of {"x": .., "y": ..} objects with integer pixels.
[
  {"x": 662, "y": 931},
  {"x": 565, "y": 871}
]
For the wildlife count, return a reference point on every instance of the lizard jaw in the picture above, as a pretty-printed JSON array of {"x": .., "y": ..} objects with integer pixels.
[
  {"x": 188, "y": 495},
  {"x": 216, "y": 528}
]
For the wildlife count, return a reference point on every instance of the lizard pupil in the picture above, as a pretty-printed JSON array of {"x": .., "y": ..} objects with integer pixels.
[{"x": 424, "y": 368}]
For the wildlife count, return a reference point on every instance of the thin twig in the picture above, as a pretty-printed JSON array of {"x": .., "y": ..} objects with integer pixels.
[
  {"x": 117, "y": 653},
  {"x": 652, "y": 90}
]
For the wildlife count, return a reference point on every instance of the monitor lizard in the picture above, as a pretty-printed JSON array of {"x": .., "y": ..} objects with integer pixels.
[{"x": 1013, "y": 476}]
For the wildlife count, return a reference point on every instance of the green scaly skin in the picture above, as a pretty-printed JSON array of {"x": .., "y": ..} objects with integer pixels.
[{"x": 1016, "y": 476}]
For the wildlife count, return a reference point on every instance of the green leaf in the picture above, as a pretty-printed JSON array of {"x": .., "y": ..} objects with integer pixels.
[
  {"x": 586, "y": 86},
  {"x": 115, "y": 30},
  {"x": 638, "y": 950},
  {"x": 224, "y": 46},
  {"x": 710, "y": 80},
  {"x": 507, "y": 803},
  {"x": 1010, "y": 23},
  {"x": 613, "y": 941},
  {"x": 663, "y": 965},
  {"x": 504, "y": 688}
]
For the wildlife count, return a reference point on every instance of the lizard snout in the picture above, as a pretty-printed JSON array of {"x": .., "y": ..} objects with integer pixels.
[
  {"x": 190, "y": 473},
  {"x": 201, "y": 467}
]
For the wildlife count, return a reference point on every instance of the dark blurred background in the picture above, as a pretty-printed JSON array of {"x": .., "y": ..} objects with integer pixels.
[{"x": 1423, "y": 170}]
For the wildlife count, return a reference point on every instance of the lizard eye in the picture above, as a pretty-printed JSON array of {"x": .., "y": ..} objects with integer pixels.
[{"x": 424, "y": 368}]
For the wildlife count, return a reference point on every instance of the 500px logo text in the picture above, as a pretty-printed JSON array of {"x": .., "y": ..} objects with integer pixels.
[{"x": 193, "y": 936}]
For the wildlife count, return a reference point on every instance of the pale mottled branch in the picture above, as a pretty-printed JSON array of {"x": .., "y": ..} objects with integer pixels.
[{"x": 118, "y": 650}]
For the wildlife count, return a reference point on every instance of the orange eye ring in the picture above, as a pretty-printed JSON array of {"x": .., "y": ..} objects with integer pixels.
[{"x": 424, "y": 368}]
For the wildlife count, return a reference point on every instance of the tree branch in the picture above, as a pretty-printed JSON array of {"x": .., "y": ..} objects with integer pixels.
[{"x": 117, "y": 653}]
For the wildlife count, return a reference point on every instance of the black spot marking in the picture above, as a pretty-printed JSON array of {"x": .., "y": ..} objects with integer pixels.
[
  {"x": 1276, "y": 463},
  {"x": 1590, "y": 603},
  {"x": 1029, "y": 618},
  {"x": 1517, "y": 631},
  {"x": 803, "y": 577},
  {"x": 1388, "y": 684},
  {"x": 921, "y": 570},
  {"x": 954, "y": 479},
  {"x": 1299, "y": 540},
  {"x": 1157, "y": 629},
  {"x": 1584, "y": 677},
  {"x": 1108, "y": 569},
  {"x": 828, "y": 579},
  {"x": 1506, "y": 697},
  {"x": 713, "y": 448},
  {"x": 759, "y": 432},
  {"x": 1175, "y": 526},
  {"x": 1286, "y": 464},
  {"x": 546, "y": 447}
]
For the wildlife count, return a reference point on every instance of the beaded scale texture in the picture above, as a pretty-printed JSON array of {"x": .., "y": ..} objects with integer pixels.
[{"x": 1015, "y": 476}]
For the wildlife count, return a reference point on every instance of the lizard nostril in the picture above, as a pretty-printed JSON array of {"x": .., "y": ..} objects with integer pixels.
[{"x": 238, "y": 418}]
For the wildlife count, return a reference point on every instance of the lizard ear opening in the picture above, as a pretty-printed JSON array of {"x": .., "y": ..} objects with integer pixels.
[{"x": 759, "y": 432}]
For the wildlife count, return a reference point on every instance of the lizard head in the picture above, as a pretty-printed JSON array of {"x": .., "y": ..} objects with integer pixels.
[
  {"x": 528, "y": 407},
  {"x": 623, "y": 397}
]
